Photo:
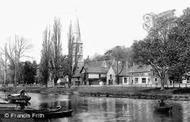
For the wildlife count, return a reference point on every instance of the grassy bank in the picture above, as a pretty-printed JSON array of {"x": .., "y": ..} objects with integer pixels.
[
  {"x": 112, "y": 91},
  {"x": 123, "y": 90},
  {"x": 59, "y": 90},
  {"x": 136, "y": 92}
]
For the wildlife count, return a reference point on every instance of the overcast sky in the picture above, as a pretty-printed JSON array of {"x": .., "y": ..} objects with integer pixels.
[{"x": 103, "y": 23}]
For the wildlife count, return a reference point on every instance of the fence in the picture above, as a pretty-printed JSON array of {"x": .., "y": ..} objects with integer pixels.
[{"x": 181, "y": 85}]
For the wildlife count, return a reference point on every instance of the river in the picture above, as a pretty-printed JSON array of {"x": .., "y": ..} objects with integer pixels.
[{"x": 103, "y": 109}]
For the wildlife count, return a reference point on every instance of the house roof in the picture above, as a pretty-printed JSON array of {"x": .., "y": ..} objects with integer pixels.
[
  {"x": 139, "y": 68},
  {"x": 135, "y": 69},
  {"x": 124, "y": 72},
  {"x": 97, "y": 67},
  {"x": 96, "y": 70},
  {"x": 78, "y": 72}
]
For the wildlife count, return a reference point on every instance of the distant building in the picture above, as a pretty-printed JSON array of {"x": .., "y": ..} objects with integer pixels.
[
  {"x": 141, "y": 74},
  {"x": 111, "y": 76},
  {"x": 75, "y": 50},
  {"x": 114, "y": 70},
  {"x": 77, "y": 78},
  {"x": 136, "y": 74},
  {"x": 94, "y": 72}
]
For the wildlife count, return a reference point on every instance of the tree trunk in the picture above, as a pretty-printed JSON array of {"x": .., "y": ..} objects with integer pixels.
[
  {"x": 69, "y": 83},
  {"x": 117, "y": 79},
  {"x": 162, "y": 85},
  {"x": 55, "y": 80},
  {"x": 163, "y": 79},
  {"x": 15, "y": 77}
]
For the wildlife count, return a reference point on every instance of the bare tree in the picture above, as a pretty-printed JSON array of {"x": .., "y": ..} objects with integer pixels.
[
  {"x": 2, "y": 68},
  {"x": 3, "y": 65},
  {"x": 14, "y": 51}
]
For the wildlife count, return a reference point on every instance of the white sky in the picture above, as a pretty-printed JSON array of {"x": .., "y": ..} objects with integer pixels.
[{"x": 103, "y": 23}]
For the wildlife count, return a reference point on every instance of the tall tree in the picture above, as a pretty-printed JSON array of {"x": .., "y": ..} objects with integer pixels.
[
  {"x": 180, "y": 34},
  {"x": 157, "y": 49},
  {"x": 70, "y": 55},
  {"x": 45, "y": 57},
  {"x": 73, "y": 56},
  {"x": 57, "y": 49}
]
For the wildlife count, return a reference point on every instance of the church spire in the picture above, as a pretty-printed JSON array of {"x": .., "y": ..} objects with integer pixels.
[
  {"x": 75, "y": 43},
  {"x": 78, "y": 27}
]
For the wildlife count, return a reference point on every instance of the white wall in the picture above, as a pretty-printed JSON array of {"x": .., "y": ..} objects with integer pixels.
[
  {"x": 111, "y": 72},
  {"x": 93, "y": 75},
  {"x": 140, "y": 80},
  {"x": 123, "y": 81}
]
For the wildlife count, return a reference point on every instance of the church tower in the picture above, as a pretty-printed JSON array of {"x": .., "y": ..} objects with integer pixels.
[{"x": 76, "y": 44}]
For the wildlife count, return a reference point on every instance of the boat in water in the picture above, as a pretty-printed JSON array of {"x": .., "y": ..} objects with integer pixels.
[
  {"x": 19, "y": 108},
  {"x": 22, "y": 96},
  {"x": 162, "y": 107},
  {"x": 57, "y": 112},
  {"x": 20, "y": 112}
]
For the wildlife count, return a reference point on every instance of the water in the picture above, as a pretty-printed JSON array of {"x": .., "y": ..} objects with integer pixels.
[{"x": 94, "y": 109}]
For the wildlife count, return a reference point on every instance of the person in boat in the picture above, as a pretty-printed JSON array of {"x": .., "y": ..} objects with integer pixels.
[
  {"x": 162, "y": 103},
  {"x": 22, "y": 92}
]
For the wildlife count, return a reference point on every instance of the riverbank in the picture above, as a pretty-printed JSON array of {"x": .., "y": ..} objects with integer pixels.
[
  {"x": 136, "y": 92},
  {"x": 111, "y": 91},
  {"x": 42, "y": 90}
]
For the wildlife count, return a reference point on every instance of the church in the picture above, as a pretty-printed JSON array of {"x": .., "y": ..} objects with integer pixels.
[{"x": 75, "y": 51}]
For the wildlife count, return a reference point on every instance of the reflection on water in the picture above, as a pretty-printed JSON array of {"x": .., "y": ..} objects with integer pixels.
[
  {"x": 94, "y": 109},
  {"x": 122, "y": 110},
  {"x": 39, "y": 101}
]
